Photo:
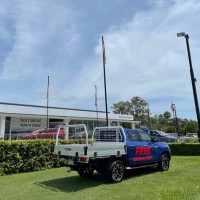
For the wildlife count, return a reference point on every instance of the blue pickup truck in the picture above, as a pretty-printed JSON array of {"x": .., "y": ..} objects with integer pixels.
[{"x": 112, "y": 150}]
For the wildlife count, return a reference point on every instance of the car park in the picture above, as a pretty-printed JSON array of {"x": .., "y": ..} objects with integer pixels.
[
  {"x": 189, "y": 137},
  {"x": 49, "y": 133},
  {"x": 162, "y": 136},
  {"x": 195, "y": 135}
]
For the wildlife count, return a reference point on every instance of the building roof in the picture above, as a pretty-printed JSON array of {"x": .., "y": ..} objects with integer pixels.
[{"x": 14, "y": 109}]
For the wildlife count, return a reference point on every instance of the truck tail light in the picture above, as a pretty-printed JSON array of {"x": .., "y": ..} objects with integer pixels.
[
  {"x": 56, "y": 156},
  {"x": 83, "y": 159}
]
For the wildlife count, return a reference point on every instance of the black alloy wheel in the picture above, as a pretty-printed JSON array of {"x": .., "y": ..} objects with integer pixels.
[
  {"x": 116, "y": 172},
  {"x": 164, "y": 163}
]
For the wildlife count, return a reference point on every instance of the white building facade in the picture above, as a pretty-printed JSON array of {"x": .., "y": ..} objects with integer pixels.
[{"x": 18, "y": 119}]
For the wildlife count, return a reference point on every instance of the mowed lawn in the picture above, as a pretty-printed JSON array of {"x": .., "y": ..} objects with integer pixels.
[{"x": 182, "y": 181}]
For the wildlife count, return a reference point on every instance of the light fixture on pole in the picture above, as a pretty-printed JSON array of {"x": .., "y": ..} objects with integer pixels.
[{"x": 193, "y": 79}]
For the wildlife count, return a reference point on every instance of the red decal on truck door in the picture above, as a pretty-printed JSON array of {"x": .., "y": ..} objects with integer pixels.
[
  {"x": 140, "y": 151},
  {"x": 142, "y": 154}
]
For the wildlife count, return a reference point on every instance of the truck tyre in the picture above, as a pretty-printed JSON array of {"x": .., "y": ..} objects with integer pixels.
[
  {"x": 164, "y": 163},
  {"x": 116, "y": 171},
  {"x": 85, "y": 172}
]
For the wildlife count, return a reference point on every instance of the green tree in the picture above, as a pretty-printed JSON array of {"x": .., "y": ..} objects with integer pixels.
[
  {"x": 191, "y": 127},
  {"x": 167, "y": 115},
  {"x": 122, "y": 107},
  {"x": 137, "y": 107}
]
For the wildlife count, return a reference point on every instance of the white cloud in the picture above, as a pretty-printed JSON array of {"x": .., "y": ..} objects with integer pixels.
[
  {"x": 40, "y": 40},
  {"x": 144, "y": 56}
]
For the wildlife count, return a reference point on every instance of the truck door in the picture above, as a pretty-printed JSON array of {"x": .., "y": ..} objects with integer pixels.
[
  {"x": 152, "y": 152},
  {"x": 133, "y": 142},
  {"x": 140, "y": 148}
]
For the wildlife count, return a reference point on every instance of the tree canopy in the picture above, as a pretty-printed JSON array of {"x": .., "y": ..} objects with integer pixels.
[{"x": 139, "y": 108}]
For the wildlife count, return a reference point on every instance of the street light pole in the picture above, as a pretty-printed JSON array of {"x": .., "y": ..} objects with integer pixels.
[
  {"x": 193, "y": 79},
  {"x": 149, "y": 118}
]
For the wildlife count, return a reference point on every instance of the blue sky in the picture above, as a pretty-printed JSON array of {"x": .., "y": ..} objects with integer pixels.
[{"x": 62, "y": 39}]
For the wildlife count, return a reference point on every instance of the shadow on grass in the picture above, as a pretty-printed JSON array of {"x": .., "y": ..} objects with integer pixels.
[
  {"x": 77, "y": 183},
  {"x": 73, "y": 183},
  {"x": 139, "y": 172}
]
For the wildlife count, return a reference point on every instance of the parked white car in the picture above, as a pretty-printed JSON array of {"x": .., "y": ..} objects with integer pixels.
[{"x": 189, "y": 137}]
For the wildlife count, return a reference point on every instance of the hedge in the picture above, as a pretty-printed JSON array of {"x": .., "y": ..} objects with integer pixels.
[
  {"x": 24, "y": 156},
  {"x": 32, "y": 155},
  {"x": 185, "y": 149}
]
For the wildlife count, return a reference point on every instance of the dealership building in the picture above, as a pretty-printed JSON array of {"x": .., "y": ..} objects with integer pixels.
[{"x": 18, "y": 119}]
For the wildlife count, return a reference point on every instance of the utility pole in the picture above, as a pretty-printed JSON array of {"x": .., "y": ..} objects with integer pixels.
[{"x": 193, "y": 79}]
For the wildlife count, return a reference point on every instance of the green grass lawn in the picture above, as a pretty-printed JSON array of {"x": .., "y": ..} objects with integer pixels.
[{"x": 182, "y": 181}]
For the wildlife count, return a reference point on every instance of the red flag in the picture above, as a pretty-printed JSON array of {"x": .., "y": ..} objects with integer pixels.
[
  {"x": 48, "y": 88},
  {"x": 95, "y": 95},
  {"x": 104, "y": 52},
  {"x": 173, "y": 107}
]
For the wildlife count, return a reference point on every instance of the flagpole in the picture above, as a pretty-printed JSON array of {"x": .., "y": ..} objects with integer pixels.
[
  {"x": 173, "y": 108},
  {"x": 48, "y": 103},
  {"x": 96, "y": 105},
  {"x": 104, "y": 71},
  {"x": 176, "y": 119}
]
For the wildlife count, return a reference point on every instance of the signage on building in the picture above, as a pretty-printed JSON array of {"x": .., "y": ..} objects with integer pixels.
[
  {"x": 126, "y": 117},
  {"x": 33, "y": 123}
]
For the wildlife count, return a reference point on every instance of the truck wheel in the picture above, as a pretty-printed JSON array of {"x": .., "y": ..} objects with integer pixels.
[
  {"x": 116, "y": 171},
  {"x": 85, "y": 172},
  {"x": 164, "y": 163}
]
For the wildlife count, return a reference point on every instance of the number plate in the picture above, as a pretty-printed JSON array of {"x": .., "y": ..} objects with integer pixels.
[{"x": 70, "y": 161}]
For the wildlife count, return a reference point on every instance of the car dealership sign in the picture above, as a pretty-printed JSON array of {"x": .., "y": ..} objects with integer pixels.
[
  {"x": 126, "y": 117},
  {"x": 21, "y": 122}
]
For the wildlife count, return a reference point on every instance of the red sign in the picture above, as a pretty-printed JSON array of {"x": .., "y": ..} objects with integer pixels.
[
  {"x": 143, "y": 158},
  {"x": 142, "y": 154},
  {"x": 141, "y": 151}
]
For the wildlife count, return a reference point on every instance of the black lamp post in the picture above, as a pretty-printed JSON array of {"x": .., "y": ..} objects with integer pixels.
[
  {"x": 193, "y": 79},
  {"x": 149, "y": 118}
]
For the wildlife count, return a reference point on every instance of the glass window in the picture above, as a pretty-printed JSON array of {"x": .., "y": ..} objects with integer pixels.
[
  {"x": 113, "y": 124},
  {"x": 90, "y": 125},
  {"x": 132, "y": 135},
  {"x": 71, "y": 122},
  {"x": 78, "y": 121},
  {"x": 101, "y": 124},
  {"x": 145, "y": 137},
  {"x": 55, "y": 122}
]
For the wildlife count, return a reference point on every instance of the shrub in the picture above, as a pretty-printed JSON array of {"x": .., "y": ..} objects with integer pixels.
[
  {"x": 29, "y": 155},
  {"x": 24, "y": 156},
  {"x": 185, "y": 149},
  {"x": 32, "y": 155}
]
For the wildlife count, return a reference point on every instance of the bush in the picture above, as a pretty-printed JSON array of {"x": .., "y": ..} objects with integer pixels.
[
  {"x": 185, "y": 149},
  {"x": 32, "y": 155},
  {"x": 24, "y": 156},
  {"x": 29, "y": 155}
]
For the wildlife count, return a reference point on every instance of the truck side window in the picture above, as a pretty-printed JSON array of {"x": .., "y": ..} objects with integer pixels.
[
  {"x": 132, "y": 135},
  {"x": 145, "y": 137}
]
